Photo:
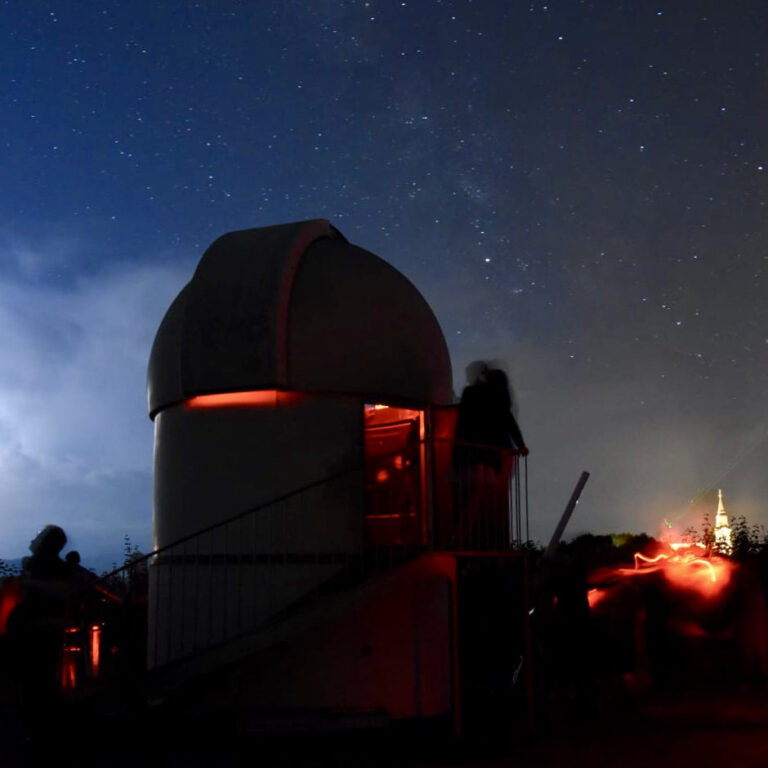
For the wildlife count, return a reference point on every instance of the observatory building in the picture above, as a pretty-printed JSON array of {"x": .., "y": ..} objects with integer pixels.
[{"x": 304, "y": 500}]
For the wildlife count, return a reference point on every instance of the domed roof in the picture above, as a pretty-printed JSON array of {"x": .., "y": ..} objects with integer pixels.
[{"x": 297, "y": 307}]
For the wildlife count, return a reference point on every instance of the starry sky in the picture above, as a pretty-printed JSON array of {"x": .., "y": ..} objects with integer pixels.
[{"x": 578, "y": 188}]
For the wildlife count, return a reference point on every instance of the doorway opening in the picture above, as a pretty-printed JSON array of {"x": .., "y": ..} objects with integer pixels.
[{"x": 395, "y": 477}]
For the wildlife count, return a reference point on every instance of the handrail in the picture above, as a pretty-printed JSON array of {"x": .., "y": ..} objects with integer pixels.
[
  {"x": 220, "y": 524},
  {"x": 484, "y": 446},
  {"x": 290, "y": 494},
  {"x": 295, "y": 492}
]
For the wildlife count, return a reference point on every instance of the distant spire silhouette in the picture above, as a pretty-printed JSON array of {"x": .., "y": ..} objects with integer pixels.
[{"x": 723, "y": 539}]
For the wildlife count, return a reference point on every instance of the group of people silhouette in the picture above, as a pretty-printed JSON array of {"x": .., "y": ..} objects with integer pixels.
[{"x": 35, "y": 627}]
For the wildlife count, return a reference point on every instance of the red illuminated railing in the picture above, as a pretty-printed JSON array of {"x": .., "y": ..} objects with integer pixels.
[{"x": 480, "y": 497}]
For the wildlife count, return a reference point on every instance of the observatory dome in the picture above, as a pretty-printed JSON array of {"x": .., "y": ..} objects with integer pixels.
[{"x": 297, "y": 307}]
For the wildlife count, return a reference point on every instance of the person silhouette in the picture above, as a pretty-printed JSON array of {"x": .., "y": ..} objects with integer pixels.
[
  {"x": 36, "y": 627},
  {"x": 487, "y": 438},
  {"x": 503, "y": 427}
]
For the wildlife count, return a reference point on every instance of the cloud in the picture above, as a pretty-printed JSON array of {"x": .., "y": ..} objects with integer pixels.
[{"x": 75, "y": 439}]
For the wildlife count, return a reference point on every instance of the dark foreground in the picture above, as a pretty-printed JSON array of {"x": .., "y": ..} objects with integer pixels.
[
  {"x": 673, "y": 730},
  {"x": 693, "y": 729}
]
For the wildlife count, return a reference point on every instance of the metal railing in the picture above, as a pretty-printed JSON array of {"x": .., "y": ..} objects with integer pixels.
[
  {"x": 481, "y": 497},
  {"x": 236, "y": 575},
  {"x": 249, "y": 570}
]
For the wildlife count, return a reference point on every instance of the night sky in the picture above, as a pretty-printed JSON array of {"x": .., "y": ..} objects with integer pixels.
[{"x": 577, "y": 188}]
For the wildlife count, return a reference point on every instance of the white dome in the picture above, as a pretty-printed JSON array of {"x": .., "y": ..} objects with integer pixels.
[{"x": 297, "y": 307}]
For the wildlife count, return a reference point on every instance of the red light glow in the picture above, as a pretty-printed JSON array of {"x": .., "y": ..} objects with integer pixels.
[
  {"x": 390, "y": 516},
  {"x": 95, "y": 641},
  {"x": 69, "y": 656},
  {"x": 10, "y": 596},
  {"x": 708, "y": 579},
  {"x": 595, "y": 596},
  {"x": 640, "y": 556},
  {"x": 675, "y": 545},
  {"x": 257, "y": 398},
  {"x": 686, "y": 569}
]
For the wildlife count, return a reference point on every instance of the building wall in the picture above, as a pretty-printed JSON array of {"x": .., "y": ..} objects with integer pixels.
[
  {"x": 212, "y": 464},
  {"x": 391, "y": 653}
]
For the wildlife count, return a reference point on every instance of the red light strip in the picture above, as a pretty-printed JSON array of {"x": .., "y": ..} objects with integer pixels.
[
  {"x": 258, "y": 398},
  {"x": 393, "y": 516},
  {"x": 95, "y": 648},
  {"x": 688, "y": 560},
  {"x": 639, "y": 556}
]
